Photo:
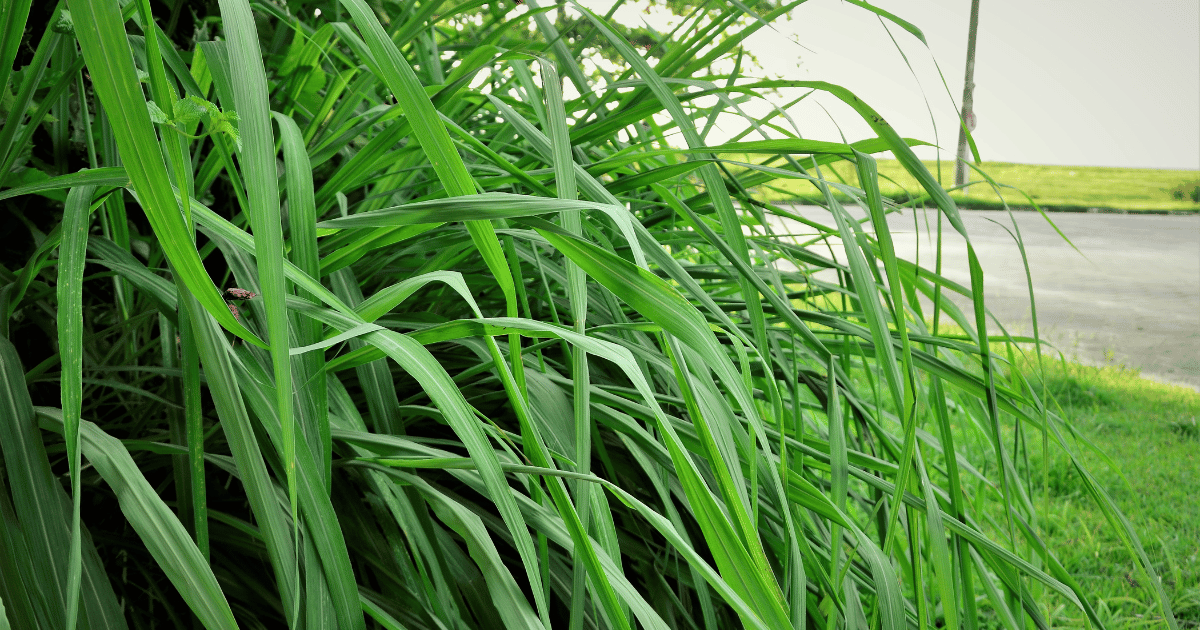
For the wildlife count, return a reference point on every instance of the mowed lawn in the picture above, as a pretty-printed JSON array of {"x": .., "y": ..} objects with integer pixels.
[
  {"x": 1150, "y": 440},
  {"x": 1077, "y": 188}
]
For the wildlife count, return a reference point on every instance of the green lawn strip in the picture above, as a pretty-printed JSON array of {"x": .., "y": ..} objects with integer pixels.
[
  {"x": 1150, "y": 432},
  {"x": 1062, "y": 188}
]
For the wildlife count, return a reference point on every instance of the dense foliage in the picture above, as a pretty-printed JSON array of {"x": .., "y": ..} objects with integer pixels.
[{"x": 350, "y": 318}]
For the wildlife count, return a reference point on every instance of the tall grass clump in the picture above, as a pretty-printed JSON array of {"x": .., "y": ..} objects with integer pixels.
[{"x": 395, "y": 315}]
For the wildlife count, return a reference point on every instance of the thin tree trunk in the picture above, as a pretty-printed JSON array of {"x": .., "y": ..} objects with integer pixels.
[{"x": 968, "y": 114}]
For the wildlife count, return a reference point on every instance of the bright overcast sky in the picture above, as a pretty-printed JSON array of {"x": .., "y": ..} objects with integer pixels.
[{"x": 1083, "y": 82}]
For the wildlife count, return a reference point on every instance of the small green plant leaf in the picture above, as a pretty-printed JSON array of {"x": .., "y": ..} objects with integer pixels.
[
  {"x": 157, "y": 115},
  {"x": 64, "y": 25}
]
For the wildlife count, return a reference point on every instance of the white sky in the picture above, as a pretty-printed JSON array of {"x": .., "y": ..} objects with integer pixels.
[{"x": 1082, "y": 82}]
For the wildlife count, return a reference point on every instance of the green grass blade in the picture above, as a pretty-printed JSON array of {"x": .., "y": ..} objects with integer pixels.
[
  {"x": 110, "y": 64},
  {"x": 262, "y": 190},
  {"x": 76, "y": 221},
  {"x": 302, "y": 219},
  {"x": 13, "y": 17},
  {"x": 433, "y": 379},
  {"x": 731, "y": 224},
  {"x": 433, "y": 138},
  {"x": 564, "y": 176},
  {"x": 40, "y": 519},
  {"x": 514, "y": 609},
  {"x": 38, "y": 115},
  {"x": 247, "y": 454},
  {"x": 159, "y": 529},
  {"x": 320, "y": 519},
  {"x": 194, "y": 428},
  {"x": 16, "y": 567},
  {"x": 34, "y": 491},
  {"x": 31, "y": 76},
  {"x": 660, "y": 302},
  {"x": 109, "y": 176}
]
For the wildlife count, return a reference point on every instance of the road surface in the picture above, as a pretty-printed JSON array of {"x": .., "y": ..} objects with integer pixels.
[{"x": 1130, "y": 296}]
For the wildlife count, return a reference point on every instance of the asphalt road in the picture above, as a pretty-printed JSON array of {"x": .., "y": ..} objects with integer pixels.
[{"x": 1130, "y": 296}]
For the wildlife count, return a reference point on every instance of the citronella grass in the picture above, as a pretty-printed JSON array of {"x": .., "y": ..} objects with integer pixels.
[{"x": 500, "y": 353}]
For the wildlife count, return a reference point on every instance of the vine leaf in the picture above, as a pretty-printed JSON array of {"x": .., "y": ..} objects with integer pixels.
[{"x": 192, "y": 109}]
